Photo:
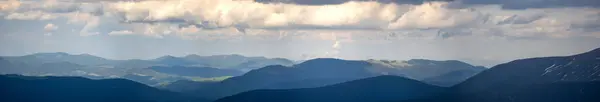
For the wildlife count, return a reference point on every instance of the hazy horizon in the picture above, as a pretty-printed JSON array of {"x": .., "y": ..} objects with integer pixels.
[{"x": 473, "y": 62}]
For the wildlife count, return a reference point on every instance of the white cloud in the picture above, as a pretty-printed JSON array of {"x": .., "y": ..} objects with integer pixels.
[
  {"x": 229, "y": 13},
  {"x": 436, "y": 15},
  {"x": 9, "y": 5},
  {"x": 50, "y": 27},
  {"x": 222, "y": 19},
  {"x": 30, "y": 15},
  {"x": 121, "y": 32}
]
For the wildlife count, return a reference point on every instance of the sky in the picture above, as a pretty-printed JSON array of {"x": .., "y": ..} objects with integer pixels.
[{"x": 480, "y": 32}]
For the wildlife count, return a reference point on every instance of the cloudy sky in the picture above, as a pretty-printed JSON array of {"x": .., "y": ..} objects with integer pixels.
[{"x": 481, "y": 32}]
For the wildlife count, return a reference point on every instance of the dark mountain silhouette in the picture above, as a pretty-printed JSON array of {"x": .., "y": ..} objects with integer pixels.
[
  {"x": 186, "y": 85},
  {"x": 583, "y": 67},
  {"x": 549, "y": 92},
  {"x": 196, "y": 71},
  {"x": 312, "y": 73},
  {"x": 16, "y": 88},
  {"x": 548, "y": 79},
  {"x": 381, "y": 88},
  {"x": 317, "y": 73},
  {"x": 451, "y": 78},
  {"x": 141, "y": 79}
]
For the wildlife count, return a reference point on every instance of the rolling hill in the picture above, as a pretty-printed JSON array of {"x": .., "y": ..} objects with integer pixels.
[
  {"x": 16, "y": 88},
  {"x": 380, "y": 88}
]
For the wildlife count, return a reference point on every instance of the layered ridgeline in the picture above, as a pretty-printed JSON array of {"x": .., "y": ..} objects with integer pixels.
[
  {"x": 17, "y": 88},
  {"x": 374, "y": 89},
  {"x": 151, "y": 72},
  {"x": 441, "y": 73},
  {"x": 583, "y": 67},
  {"x": 234, "y": 61},
  {"x": 549, "y": 79},
  {"x": 326, "y": 71},
  {"x": 573, "y": 78}
]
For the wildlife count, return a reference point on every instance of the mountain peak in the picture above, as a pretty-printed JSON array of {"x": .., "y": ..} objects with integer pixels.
[
  {"x": 85, "y": 54},
  {"x": 51, "y": 54},
  {"x": 593, "y": 54},
  {"x": 166, "y": 57},
  {"x": 91, "y": 56},
  {"x": 331, "y": 63},
  {"x": 541, "y": 70},
  {"x": 322, "y": 60},
  {"x": 597, "y": 50},
  {"x": 192, "y": 56},
  {"x": 236, "y": 55}
]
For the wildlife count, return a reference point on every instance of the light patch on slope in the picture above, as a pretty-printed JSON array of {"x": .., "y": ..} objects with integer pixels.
[{"x": 390, "y": 64}]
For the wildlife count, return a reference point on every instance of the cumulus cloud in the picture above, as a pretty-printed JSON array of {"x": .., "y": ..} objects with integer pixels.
[
  {"x": 50, "y": 27},
  {"x": 30, "y": 15},
  {"x": 121, "y": 32},
  {"x": 507, "y": 4},
  {"x": 199, "y": 19},
  {"x": 233, "y": 13},
  {"x": 9, "y": 5},
  {"x": 525, "y": 4},
  {"x": 437, "y": 15}
]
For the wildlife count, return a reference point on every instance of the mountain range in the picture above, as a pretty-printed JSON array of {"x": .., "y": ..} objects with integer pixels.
[
  {"x": 17, "y": 88},
  {"x": 168, "y": 69},
  {"x": 174, "y": 73},
  {"x": 325, "y": 71},
  {"x": 573, "y": 78},
  {"x": 374, "y": 89},
  {"x": 546, "y": 79},
  {"x": 205, "y": 72},
  {"x": 179, "y": 68},
  {"x": 583, "y": 67}
]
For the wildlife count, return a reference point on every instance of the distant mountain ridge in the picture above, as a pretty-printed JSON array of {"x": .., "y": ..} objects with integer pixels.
[
  {"x": 430, "y": 71},
  {"x": 546, "y": 79},
  {"x": 206, "y": 72},
  {"x": 277, "y": 75},
  {"x": 16, "y": 88},
  {"x": 312, "y": 73},
  {"x": 582, "y": 67},
  {"x": 85, "y": 65},
  {"x": 215, "y": 61},
  {"x": 374, "y": 89},
  {"x": 39, "y": 58},
  {"x": 233, "y": 61}
]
